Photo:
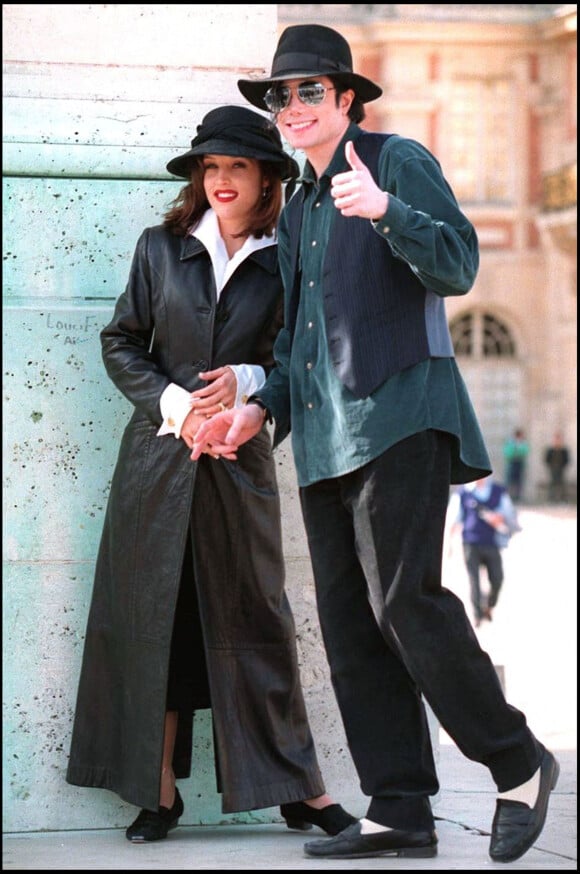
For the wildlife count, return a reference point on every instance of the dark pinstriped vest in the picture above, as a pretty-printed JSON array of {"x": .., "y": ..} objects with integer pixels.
[{"x": 380, "y": 319}]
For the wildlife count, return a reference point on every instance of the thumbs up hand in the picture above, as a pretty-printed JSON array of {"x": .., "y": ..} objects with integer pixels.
[{"x": 355, "y": 192}]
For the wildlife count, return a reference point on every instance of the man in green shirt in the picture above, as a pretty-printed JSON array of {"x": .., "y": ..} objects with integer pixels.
[{"x": 381, "y": 424}]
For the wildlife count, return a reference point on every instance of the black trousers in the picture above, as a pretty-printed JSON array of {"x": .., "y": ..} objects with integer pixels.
[
  {"x": 393, "y": 633},
  {"x": 188, "y": 684},
  {"x": 478, "y": 556}
]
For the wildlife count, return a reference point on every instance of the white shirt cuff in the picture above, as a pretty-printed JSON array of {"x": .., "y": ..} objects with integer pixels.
[
  {"x": 250, "y": 377},
  {"x": 175, "y": 404}
]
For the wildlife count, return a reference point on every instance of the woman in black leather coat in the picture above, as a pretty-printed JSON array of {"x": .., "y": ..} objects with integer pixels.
[{"x": 189, "y": 609}]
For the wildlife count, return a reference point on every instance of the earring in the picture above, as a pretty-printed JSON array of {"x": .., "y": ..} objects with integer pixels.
[{"x": 265, "y": 193}]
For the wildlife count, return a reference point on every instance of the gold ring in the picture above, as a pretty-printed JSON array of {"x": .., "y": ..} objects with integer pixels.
[{"x": 222, "y": 407}]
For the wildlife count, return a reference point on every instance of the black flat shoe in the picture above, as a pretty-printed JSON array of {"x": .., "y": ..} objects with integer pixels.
[
  {"x": 332, "y": 819},
  {"x": 516, "y": 826},
  {"x": 153, "y": 825},
  {"x": 352, "y": 844}
]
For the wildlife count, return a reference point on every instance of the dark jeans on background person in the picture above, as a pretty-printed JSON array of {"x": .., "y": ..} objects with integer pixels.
[
  {"x": 392, "y": 633},
  {"x": 557, "y": 486},
  {"x": 515, "y": 479},
  {"x": 489, "y": 557}
]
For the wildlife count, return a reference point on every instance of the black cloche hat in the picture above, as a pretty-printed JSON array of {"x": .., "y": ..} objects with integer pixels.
[
  {"x": 310, "y": 50},
  {"x": 240, "y": 132}
]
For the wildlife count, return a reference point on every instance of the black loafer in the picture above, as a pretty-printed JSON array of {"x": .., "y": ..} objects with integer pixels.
[
  {"x": 516, "y": 825},
  {"x": 153, "y": 825},
  {"x": 332, "y": 819},
  {"x": 351, "y": 844}
]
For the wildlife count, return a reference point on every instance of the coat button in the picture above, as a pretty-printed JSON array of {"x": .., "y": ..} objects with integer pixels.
[{"x": 200, "y": 365}]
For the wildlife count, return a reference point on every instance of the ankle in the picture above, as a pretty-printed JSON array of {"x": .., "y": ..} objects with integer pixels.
[
  {"x": 370, "y": 827},
  {"x": 167, "y": 791},
  {"x": 319, "y": 802},
  {"x": 526, "y": 793}
]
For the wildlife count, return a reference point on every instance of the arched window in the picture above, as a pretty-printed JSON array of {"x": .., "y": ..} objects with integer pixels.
[
  {"x": 486, "y": 353},
  {"x": 481, "y": 335}
]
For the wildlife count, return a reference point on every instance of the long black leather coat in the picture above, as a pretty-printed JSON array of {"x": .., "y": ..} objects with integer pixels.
[{"x": 167, "y": 327}]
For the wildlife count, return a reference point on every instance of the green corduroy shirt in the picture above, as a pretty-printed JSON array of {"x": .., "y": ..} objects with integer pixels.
[{"x": 332, "y": 432}]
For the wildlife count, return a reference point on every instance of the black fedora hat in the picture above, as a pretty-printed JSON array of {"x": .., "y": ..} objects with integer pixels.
[
  {"x": 310, "y": 50},
  {"x": 239, "y": 132}
]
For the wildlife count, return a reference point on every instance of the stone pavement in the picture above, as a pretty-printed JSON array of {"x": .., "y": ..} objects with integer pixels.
[
  {"x": 532, "y": 642},
  {"x": 464, "y": 808}
]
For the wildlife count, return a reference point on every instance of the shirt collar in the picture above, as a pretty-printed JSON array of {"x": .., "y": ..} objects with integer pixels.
[
  {"x": 482, "y": 491},
  {"x": 337, "y": 162},
  {"x": 207, "y": 232}
]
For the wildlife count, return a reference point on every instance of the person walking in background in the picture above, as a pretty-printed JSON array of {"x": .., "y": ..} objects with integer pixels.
[
  {"x": 381, "y": 424},
  {"x": 557, "y": 459},
  {"x": 189, "y": 609},
  {"x": 487, "y": 518},
  {"x": 515, "y": 453}
]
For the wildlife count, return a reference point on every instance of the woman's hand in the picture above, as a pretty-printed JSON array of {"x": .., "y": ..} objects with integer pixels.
[
  {"x": 190, "y": 427},
  {"x": 218, "y": 395}
]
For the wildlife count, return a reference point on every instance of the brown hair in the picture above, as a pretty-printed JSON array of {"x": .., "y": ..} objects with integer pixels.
[
  {"x": 190, "y": 204},
  {"x": 356, "y": 110}
]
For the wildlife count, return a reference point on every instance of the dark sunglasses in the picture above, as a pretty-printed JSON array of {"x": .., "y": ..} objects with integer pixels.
[{"x": 278, "y": 97}]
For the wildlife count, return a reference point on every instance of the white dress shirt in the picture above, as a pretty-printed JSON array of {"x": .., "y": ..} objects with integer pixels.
[{"x": 175, "y": 402}]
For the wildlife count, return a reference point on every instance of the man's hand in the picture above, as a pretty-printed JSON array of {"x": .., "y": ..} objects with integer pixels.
[
  {"x": 225, "y": 432},
  {"x": 356, "y": 192},
  {"x": 190, "y": 427},
  {"x": 496, "y": 520}
]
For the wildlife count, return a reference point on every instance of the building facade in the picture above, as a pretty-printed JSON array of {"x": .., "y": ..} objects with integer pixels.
[{"x": 491, "y": 91}]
